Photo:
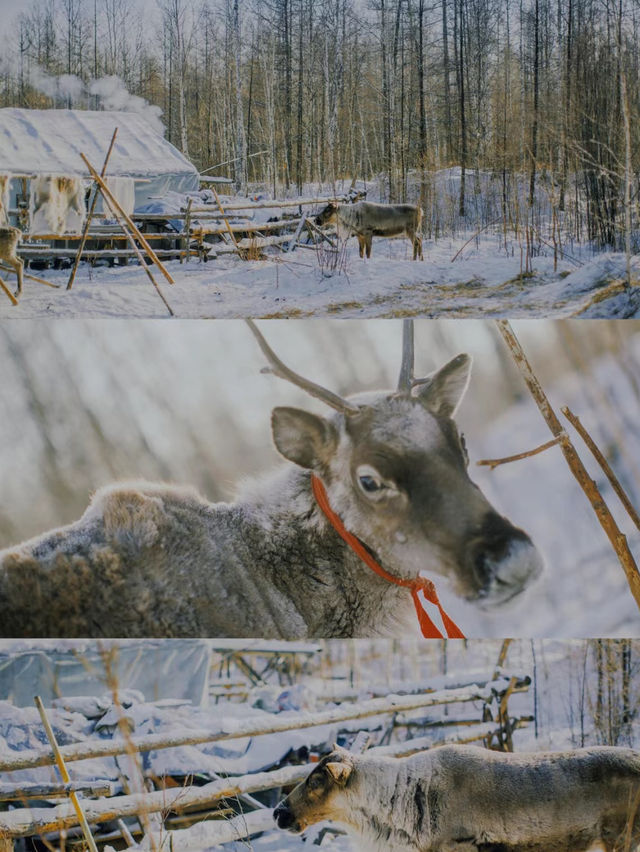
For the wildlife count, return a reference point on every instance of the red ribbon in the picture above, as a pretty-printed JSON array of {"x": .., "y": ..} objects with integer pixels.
[{"x": 420, "y": 584}]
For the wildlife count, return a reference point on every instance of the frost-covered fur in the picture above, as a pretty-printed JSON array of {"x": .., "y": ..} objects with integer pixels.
[
  {"x": 469, "y": 799},
  {"x": 56, "y": 205},
  {"x": 158, "y": 560},
  {"x": 5, "y": 183},
  {"x": 9, "y": 239},
  {"x": 153, "y": 560}
]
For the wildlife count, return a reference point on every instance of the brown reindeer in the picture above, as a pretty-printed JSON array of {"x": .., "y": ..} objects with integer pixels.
[
  {"x": 366, "y": 220},
  {"x": 9, "y": 239}
]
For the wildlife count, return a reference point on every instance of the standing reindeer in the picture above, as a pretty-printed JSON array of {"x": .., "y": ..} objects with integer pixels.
[
  {"x": 462, "y": 798},
  {"x": 366, "y": 220},
  {"x": 159, "y": 560},
  {"x": 9, "y": 239}
]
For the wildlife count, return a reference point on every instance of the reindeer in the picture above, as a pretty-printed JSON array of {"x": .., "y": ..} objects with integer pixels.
[
  {"x": 9, "y": 239},
  {"x": 468, "y": 799},
  {"x": 159, "y": 560},
  {"x": 367, "y": 220}
]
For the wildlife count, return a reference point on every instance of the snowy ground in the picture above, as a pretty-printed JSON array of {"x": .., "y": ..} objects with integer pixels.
[{"x": 484, "y": 281}]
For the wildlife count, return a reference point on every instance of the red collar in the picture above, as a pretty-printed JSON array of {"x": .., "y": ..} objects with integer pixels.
[{"x": 420, "y": 584}]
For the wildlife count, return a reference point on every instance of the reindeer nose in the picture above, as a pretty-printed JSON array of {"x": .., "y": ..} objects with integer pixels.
[
  {"x": 505, "y": 560},
  {"x": 283, "y": 817}
]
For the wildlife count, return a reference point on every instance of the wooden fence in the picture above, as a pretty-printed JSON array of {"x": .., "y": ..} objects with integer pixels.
[{"x": 205, "y": 805}]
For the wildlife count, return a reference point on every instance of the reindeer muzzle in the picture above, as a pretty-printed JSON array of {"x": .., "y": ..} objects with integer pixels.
[
  {"x": 504, "y": 562},
  {"x": 285, "y": 819}
]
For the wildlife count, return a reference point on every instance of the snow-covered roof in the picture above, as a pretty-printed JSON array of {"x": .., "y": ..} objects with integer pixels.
[{"x": 49, "y": 141}]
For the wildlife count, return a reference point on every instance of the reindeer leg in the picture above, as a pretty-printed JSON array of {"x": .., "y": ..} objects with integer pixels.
[
  {"x": 18, "y": 267},
  {"x": 361, "y": 244},
  {"x": 369, "y": 239},
  {"x": 10, "y": 295}
]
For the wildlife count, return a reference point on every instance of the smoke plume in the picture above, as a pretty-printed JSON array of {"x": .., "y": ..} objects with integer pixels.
[{"x": 111, "y": 92}]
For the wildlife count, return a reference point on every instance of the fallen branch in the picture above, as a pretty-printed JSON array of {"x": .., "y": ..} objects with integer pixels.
[
  {"x": 477, "y": 234},
  {"x": 607, "y": 522},
  {"x": 493, "y": 463}
]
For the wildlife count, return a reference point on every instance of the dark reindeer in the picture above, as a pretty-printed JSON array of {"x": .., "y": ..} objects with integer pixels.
[
  {"x": 366, "y": 220},
  {"x": 468, "y": 799},
  {"x": 159, "y": 560}
]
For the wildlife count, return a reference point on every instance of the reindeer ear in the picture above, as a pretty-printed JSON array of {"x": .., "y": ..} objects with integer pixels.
[
  {"x": 340, "y": 772},
  {"x": 443, "y": 390},
  {"x": 303, "y": 438}
]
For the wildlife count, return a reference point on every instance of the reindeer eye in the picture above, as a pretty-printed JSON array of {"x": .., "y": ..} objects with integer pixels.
[
  {"x": 315, "y": 781},
  {"x": 370, "y": 484}
]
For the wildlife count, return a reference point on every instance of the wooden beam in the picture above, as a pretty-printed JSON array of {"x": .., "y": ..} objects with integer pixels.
[
  {"x": 92, "y": 209},
  {"x": 115, "y": 206},
  {"x": 230, "y": 728}
]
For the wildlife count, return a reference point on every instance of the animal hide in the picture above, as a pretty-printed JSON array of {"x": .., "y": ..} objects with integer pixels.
[
  {"x": 56, "y": 205},
  {"x": 123, "y": 190},
  {"x": 5, "y": 185}
]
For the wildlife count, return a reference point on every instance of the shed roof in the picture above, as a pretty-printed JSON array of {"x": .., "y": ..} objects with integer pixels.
[{"x": 49, "y": 141}]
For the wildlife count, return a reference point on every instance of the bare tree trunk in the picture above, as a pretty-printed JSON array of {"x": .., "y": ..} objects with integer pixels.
[{"x": 241, "y": 140}]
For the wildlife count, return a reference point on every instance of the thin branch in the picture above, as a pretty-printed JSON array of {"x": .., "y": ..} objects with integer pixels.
[
  {"x": 604, "y": 464},
  {"x": 493, "y": 463},
  {"x": 607, "y": 522}
]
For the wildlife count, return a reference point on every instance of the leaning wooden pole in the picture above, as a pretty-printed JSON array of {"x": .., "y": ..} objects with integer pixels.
[
  {"x": 604, "y": 464},
  {"x": 73, "y": 796},
  {"x": 92, "y": 210},
  {"x": 115, "y": 206},
  {"x": 607, "y": 522}
]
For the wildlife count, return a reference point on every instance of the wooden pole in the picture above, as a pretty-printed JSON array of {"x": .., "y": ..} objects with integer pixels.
[
  {"x": 232, "y": 728},
  {"x": 34, "y": 278},
  {"x": 73, "y": 796},
  {"x": 144, "y": 265},
  {"x": 604, "y": 464},
  {"x": 225, "y": 220},
  {"x": 187, "y": 233},
  {"x": 12, "y": 298},
  {"x": 92, "y": 210},
  {"x": 29, "y": 790},
  {"x": 115, "y": 206},
  {"x": 607, "y": 522}
]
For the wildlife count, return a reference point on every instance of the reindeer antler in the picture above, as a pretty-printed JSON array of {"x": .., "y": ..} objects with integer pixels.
[
  {"x": 277, "y": 368},
  {"x": 405, "y": 380}
]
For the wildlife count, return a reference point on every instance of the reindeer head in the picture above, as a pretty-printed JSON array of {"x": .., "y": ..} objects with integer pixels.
[
  {"x": 327, "y": 216},
  {"x": 317, "y": 797},
  {"x": 394, "y": 466}
]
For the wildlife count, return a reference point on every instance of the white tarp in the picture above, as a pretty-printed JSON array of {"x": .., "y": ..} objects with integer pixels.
[
  {"x": 157, "y": 668},
  {"x": 124, "y": 191},
  {"x": 50, "y": 141}
]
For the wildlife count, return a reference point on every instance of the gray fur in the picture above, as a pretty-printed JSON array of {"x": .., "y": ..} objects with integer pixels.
[
  {"x": 158, "y": 560},
  {"x": 366, "y": 220},
  {"x": 469, "y": 799}
]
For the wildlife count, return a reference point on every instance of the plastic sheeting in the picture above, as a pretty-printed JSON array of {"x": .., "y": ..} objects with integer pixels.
[{"x": 157, "y": 669}]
